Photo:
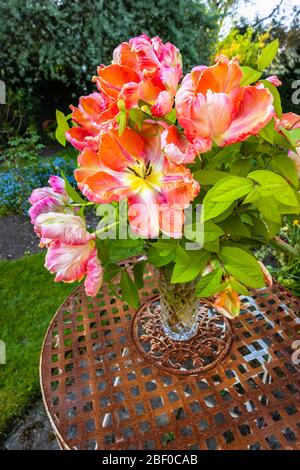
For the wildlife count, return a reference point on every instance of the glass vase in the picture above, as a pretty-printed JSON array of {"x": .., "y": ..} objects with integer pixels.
[{"x": 179, "y": 308}]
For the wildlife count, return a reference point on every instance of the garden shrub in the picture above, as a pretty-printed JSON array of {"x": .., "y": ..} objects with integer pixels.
[{"x": 65, "y": 41}]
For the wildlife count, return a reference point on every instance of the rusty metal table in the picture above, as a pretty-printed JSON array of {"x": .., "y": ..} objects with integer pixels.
[{"x": 100, "y": 393}]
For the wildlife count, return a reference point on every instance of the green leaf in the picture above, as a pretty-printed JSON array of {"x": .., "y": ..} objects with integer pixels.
[
  {"x": 238, "y": 287},
  {"x": 122, "y": 121},
  {"x": 129, "y": 290},
  {"x": 110, "y": 271},
  {"x": 71, "y": 192},
  {"x": 60, "y": 136},
  {"x": 276, "y": 97},
  {"x": 171, "y": 116},
  {"x": 137, "y": 116},
  {"x": 224, "y": 214},
  {"x": 273, "y": 227},
  {"x": 269, "y": 209},
  {"x": 249, "y": 76},
  {"x": 223, "y": 194},
  {"x": 295, "y": 135},
  {"x": 286, "y": 166},
  {"x": 62, "y": 127},
  {"x": 164, "y": 247},
  {"x": 235, "y": 227},
  {"x": 274, "y": 185},
  {"x": 212, "y": 246},
  {"x": 267, "y": 133},
  {"x": 241, "y": 167},
  {"x": 61, "y": 120},
  {"x": 267, "y": 55},
  {"x": 260, "y": 227},
  {"x": 209, "y": 177},
  {"x": 138, "y": 272},
  {"x": 209, "y": 284},
  {"x": 121, "y": 105},
  {"x": 243, "y": 266},
  {"x": 283, "y": 140},
  {"x": 103, "y": 248},
  {"x": 211, "y": 231},
  {"x": 188, "y": 264},
  {"x": 157, "y": 259}
]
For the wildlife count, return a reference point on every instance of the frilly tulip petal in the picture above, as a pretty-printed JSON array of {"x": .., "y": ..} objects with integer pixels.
[
  {"x": 267, "y": 276},
  {"x": 290, "y": 121},
  {"x": 68, "y": 262},
  {"x": 78, "y": 137},
  {"x": 171, "y": 220},
  {"x": 212, "y": 107},
  {"x": 133, "y": 166},
  {"x": 111, "y": 79},
  {"x": 67, "y": 228},
  {"x": 163, "y": 105},
  {"x": 46, "y": 204},
  {"x": 48, "y": 199},
  {"x": 222, "y": 77},
  {"x": 57, "y": 184},
  {"x": 228, "y": 303},
  {"x": 255, "y": 111},
  {"x": 143, "y": 69},
  {"x": 274, "y": 80},
  {"x": 176, "y": 146},
  {"x": 95, "y": 114},
  {"x": 143, "y": 215},
  {"x": 179, "y": 186},
  {"x": 94, "y": 275}
]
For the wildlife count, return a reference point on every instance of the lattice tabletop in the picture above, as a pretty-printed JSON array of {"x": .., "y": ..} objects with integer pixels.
[{"x": 100, "y": 393}]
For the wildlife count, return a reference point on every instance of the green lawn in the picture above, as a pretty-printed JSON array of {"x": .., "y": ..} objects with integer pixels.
[{"x": 28, "y": 299}]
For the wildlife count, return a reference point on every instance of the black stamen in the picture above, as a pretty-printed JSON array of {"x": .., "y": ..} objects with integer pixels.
[{"x": 133, "y": 171}]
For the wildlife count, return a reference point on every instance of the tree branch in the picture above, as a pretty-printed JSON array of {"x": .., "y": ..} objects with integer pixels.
[{"x": 270, "y": 15}]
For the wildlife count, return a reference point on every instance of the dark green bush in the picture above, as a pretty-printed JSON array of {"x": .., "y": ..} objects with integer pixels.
[{"x": 51, "y": 48}]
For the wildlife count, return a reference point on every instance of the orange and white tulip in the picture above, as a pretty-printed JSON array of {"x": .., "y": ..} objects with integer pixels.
[
  {"x": 212, "y": 107},
  {"x": 133, "y": 166},
  {"x": 142, "y": 69},
  {"x": 95, "y": 114},
  {"x": 267, "y": 276},
  {"x": 228, "y": 303}
]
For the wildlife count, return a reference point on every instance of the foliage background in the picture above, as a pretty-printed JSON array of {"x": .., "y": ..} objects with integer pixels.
[
  {"x": 49, "y": 52},
  {"x": 66, "y": 40}
]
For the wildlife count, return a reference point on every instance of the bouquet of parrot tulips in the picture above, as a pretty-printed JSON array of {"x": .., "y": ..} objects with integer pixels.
[{"x": 201, "y": 168}]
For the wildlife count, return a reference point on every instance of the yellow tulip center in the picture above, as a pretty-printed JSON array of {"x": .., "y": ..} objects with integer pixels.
[{"x": 144, "y": 176}]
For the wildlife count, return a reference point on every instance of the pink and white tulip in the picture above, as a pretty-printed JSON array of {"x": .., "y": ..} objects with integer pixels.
[
  {"x": 68, "y": 228},
  {"x": 292, "y": 121},
  {"x": 72, "y": 262},
  {"x": 72, "y": 252},
  {"x": 48, "y": 199}
]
